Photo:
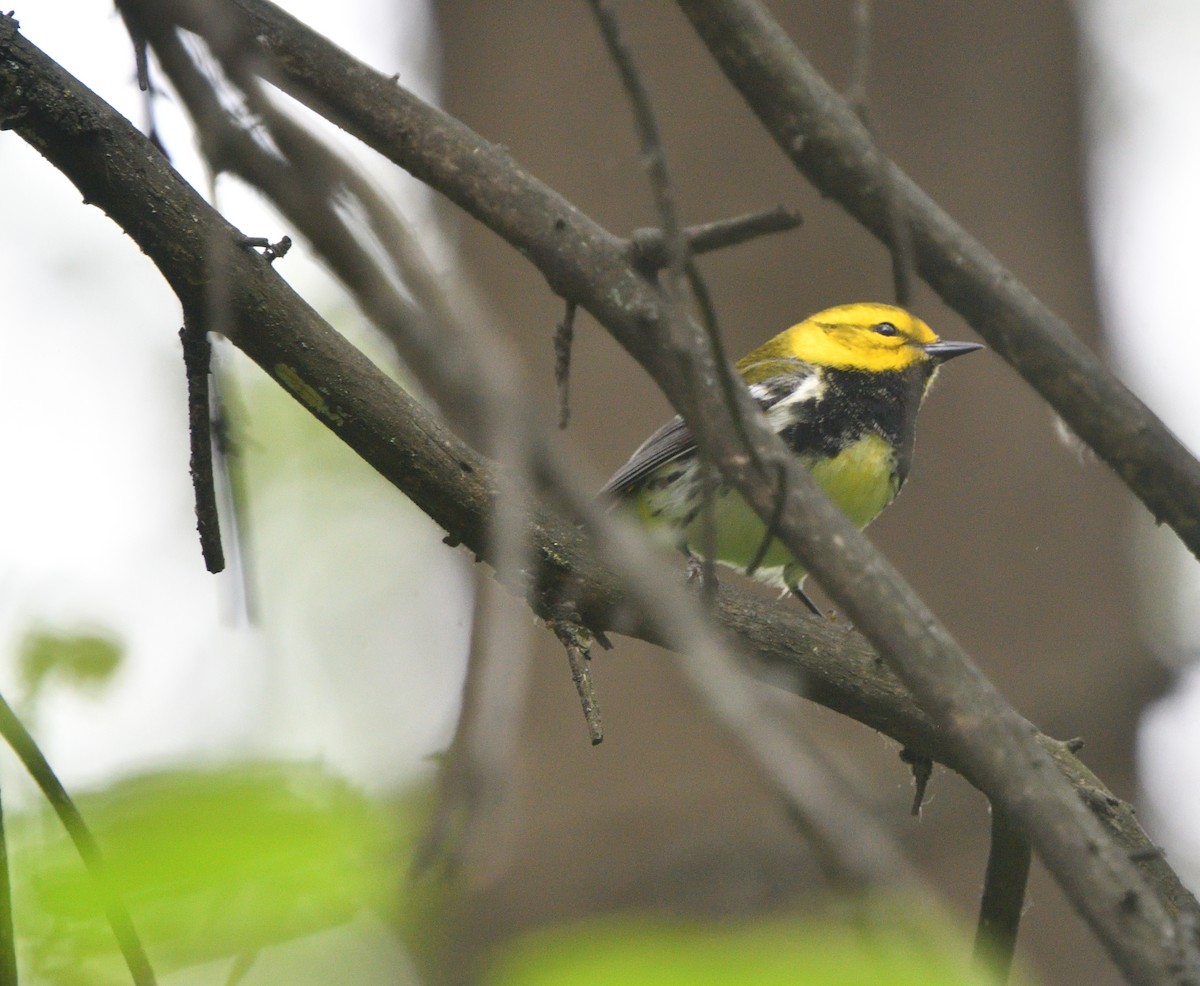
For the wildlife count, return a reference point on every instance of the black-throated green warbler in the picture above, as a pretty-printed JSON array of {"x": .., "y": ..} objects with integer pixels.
[{"x": 842, "y": 389}]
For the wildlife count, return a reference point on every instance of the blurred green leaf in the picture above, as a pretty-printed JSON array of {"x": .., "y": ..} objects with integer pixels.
[
  {"x": 80, "y": 658},
  {"x": 795, "y": 952},
  {"x": 210, "y": 863}
]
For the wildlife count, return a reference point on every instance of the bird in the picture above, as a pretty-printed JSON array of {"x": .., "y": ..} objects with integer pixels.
[{"x": 842, "y": 389}]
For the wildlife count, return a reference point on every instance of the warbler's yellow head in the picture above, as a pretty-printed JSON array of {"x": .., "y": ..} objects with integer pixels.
[{"x": 866, "y": 336}]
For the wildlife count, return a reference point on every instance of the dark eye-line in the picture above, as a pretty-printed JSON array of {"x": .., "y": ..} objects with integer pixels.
[{"x": 885, "y": 329}]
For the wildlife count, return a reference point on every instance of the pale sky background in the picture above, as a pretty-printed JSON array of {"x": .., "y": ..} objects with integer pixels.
[
  {"x": 360, "y": 657},
  {"x": 96, "y": 522}
]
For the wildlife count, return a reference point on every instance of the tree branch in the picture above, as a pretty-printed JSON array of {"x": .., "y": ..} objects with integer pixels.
[
  {"x": 1003, "y": 897},
  {"x": 650, "y": 248}
]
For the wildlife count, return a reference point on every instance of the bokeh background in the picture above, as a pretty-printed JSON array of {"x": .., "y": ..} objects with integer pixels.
[
  {"x": 1037, "y": 125},
  {"x": 1002, "y": 528},
  {"x": 1020, "y": 543}
]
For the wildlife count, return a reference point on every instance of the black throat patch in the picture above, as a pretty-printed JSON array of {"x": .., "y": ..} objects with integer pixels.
[{"x": 856, "y": 404}]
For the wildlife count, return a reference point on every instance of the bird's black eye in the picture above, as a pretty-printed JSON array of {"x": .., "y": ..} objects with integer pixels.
[{"x": 886, "y": 329}]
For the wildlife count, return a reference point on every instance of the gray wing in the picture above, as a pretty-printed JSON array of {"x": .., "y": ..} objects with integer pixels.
[{"x": 672, "y": 441}]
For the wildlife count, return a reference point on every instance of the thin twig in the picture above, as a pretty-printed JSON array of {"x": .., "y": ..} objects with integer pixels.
[
  {"x": 1003, "y": 896},
  {"x": 577, "y": 642},
  {"x": 564, "y": 336},
  {"x": 772, "y": 525},
  {"x": 650, "y": 248},
  {"x": 679, "y": 270},
  {"x": 710, "y": 479},
  {"x": 899, "y": 239},
  {"x": 674, "y": 242},
  {"x": 726, "y": 379},
  {"x": 28, "y": 752},
  {"x": 475, "y": 774},
  {"x": 483, "y": 727},
  {"x": 860, "y": 65},
  {"x": 270, "y": 251},
  {"x": 922, "y": 771},
  {"x": 197, "y": 361},
  {"x": 901, "y": 243}
]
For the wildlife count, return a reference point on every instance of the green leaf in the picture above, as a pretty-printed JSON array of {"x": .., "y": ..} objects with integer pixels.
[
  {"x": 211, "y": 864},
  {"x": 88, "y": 659},
  {"x": 794, "y": 952}
]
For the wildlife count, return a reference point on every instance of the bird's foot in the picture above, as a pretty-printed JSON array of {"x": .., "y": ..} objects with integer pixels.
[{"x": 803, "y": 597}]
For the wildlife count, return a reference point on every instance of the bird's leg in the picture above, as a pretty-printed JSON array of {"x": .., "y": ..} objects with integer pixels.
[{"x": 803, "y": 597}]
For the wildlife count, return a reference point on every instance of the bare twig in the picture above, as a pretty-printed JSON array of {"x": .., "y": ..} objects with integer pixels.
[
  {"x": 271, "y": 251},
  {"x": 577, "y": 642},
  {"x": 654, "y": 157},
  {"x": 922, "y": 770},
  {"x": 681, "y": 273},
  {"x": 1003, "y": 896},
  {"x": 860, "y": 65},
  {"x": 475, "y": 774},
  {"x": 899, "y": 239},
  {"x": 197, "y": 361},
  {"x": 564, "y": 336},
  {"x": 772, "y": 524},
  {"x": 650, "y": 248}
]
